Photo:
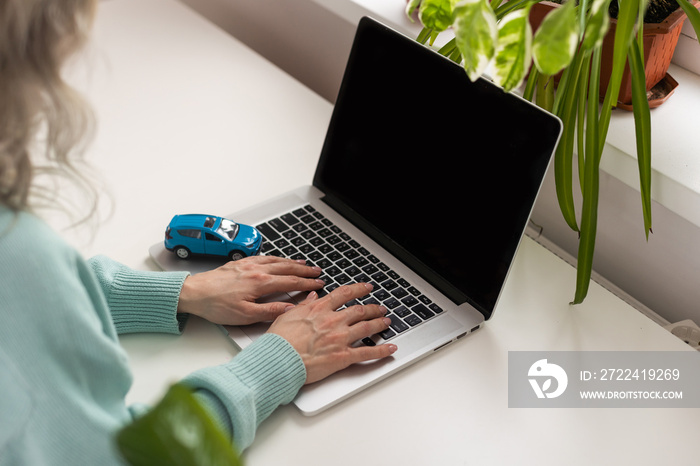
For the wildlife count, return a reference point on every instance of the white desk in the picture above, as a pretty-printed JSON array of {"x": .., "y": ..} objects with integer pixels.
[{"x": 191, "y": 120}]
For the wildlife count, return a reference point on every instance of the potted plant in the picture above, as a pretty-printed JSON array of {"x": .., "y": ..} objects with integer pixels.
[
  {"x": 663, "y": 22},
  {"x": 498, "y": 37}
]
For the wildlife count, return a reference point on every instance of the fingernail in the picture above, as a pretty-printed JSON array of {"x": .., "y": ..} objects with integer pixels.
[
  {"x": 393, "y": 348},
  {"x": 368, "y": 286},
  {"x": 317, "y": 268},
  {"x": 289, "y": 308},
  {"x": 312, "y": 295},
  {"x": 384, "y": 310},
  {"x": 387, "y": 321},
  {"x": 300, "y": 261},
  {"x": 320, "y": 282}
]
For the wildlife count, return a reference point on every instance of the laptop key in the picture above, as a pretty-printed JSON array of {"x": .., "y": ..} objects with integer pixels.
[
  {"x": 345, "y": 264},
  {"x": 306, "y": 249},
  {"x": 397, "y": 324},
  {"x": 290, "y": 219},
  {"x": 389, "y": 285},
  {"x": 414, "y": 291},
  {"x": 381, "y": 295},
  {"x": 412, "y": 320},
  {"x": 409, "y": 301},
  {"x": 278, "y": 225},
  {"x": 435, "y": 308},
  {"x": 423, "y": 311},
  {"x": 268, "y": 232},
  {"x": 402, "y": 311},
  {"x": 392, "y": 303},
  {"x": 281, "y": 243},
  {"x": 342, "y": 246}
]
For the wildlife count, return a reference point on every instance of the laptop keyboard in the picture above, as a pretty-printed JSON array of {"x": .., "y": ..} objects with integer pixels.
[{"x": 306, "y": 234}]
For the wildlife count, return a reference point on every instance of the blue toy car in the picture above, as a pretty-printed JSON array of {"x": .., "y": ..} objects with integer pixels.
[{"x": 210, "y": 235}]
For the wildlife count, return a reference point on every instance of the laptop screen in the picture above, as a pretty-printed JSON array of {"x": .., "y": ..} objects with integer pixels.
[{"x": 440, "y": 171}]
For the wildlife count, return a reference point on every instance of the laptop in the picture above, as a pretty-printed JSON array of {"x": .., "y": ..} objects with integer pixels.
[{"x": 424, "y": 188}]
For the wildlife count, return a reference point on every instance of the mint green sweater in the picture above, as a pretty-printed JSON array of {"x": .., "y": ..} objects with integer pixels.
[{"x": 63, "y": 374}]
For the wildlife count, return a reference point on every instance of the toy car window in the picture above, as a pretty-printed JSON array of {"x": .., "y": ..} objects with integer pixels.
[
  {"x": 227, "y": 228},
  {"x": 211, "y": 237},
  {"x": 197, "y": 234},
  {"x": 209, "y": 222}
]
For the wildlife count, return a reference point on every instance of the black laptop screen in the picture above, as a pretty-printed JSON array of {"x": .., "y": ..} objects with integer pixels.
[{"x": 441, "y": 171}]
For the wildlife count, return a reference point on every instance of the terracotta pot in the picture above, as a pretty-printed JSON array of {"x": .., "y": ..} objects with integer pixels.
[{"x": 660, "y": 41}]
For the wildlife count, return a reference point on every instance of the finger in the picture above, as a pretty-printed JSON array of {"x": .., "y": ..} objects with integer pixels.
[
  {"x": 312, "y": 296},
  {"x": 267, "y": 259},
  {"x": 360, "y": 312},
  {"x": 277, "y": 284},
  {"x": 369, "y": 353},
  {"x": 290, "y": 267},
  {"x": 367, "y": 328},
  {"x": 345, "y": 293},
  {"x": 283, "y": 266},
  {"x": 270, "y": 311}
]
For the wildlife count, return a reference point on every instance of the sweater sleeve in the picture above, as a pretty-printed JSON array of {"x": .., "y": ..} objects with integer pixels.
[
  {"x": 246, "y": 390},
  {"x": 239, "y": 394},
  {"x": 140, "y": 301}
]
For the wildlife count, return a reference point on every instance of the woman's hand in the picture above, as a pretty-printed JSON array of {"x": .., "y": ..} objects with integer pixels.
[
  {"x": 227, "y": 295},
  {"x": 324, "y": 337}
]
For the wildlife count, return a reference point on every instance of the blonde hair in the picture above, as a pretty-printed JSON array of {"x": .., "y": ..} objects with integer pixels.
[{"x": 44, "y": 124}]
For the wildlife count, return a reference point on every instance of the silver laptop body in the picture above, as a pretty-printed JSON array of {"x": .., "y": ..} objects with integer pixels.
[{"x": 437, "y": 188}]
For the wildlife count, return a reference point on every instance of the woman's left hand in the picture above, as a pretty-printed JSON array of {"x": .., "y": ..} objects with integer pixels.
[{"x": 227, "y": 295}]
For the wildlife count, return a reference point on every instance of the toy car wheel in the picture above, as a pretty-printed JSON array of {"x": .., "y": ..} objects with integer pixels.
[
  {"x": 236, "y": 255},
  {"x": 182, "y": 252}
]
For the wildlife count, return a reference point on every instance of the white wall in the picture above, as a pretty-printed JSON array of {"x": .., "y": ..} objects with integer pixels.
[
  {"x": 312, "y": 44},
  {"x": 308, "y": 42}
]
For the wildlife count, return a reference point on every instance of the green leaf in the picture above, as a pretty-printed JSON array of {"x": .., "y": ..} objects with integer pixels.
[
  {"x": 565, "y": 108},
  {"x": 597, "y": 25},
  {"x": 555, "y": 42},
  {"x": 476, "y": 33},
  {"x": 436, "y": 14},
  {"x": 582, "y": 93},
  {"x": 693, "y": 15},
  {"x": 178, "y": 431},
  {"x": 642, "y": 123},
  {"x": 411, "y": 7},
  {"x": 513, "y": 52},
  {"x": 424, "y": 35},
  {"x": 545, "y": 92},
  {"x": 590, "y": 186},
  {"x": 531, "y": 84},
  {"x": 624, "y": 33}
]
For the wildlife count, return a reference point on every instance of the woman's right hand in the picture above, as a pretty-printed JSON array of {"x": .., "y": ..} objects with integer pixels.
[{"x": 324, "y": 338}]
